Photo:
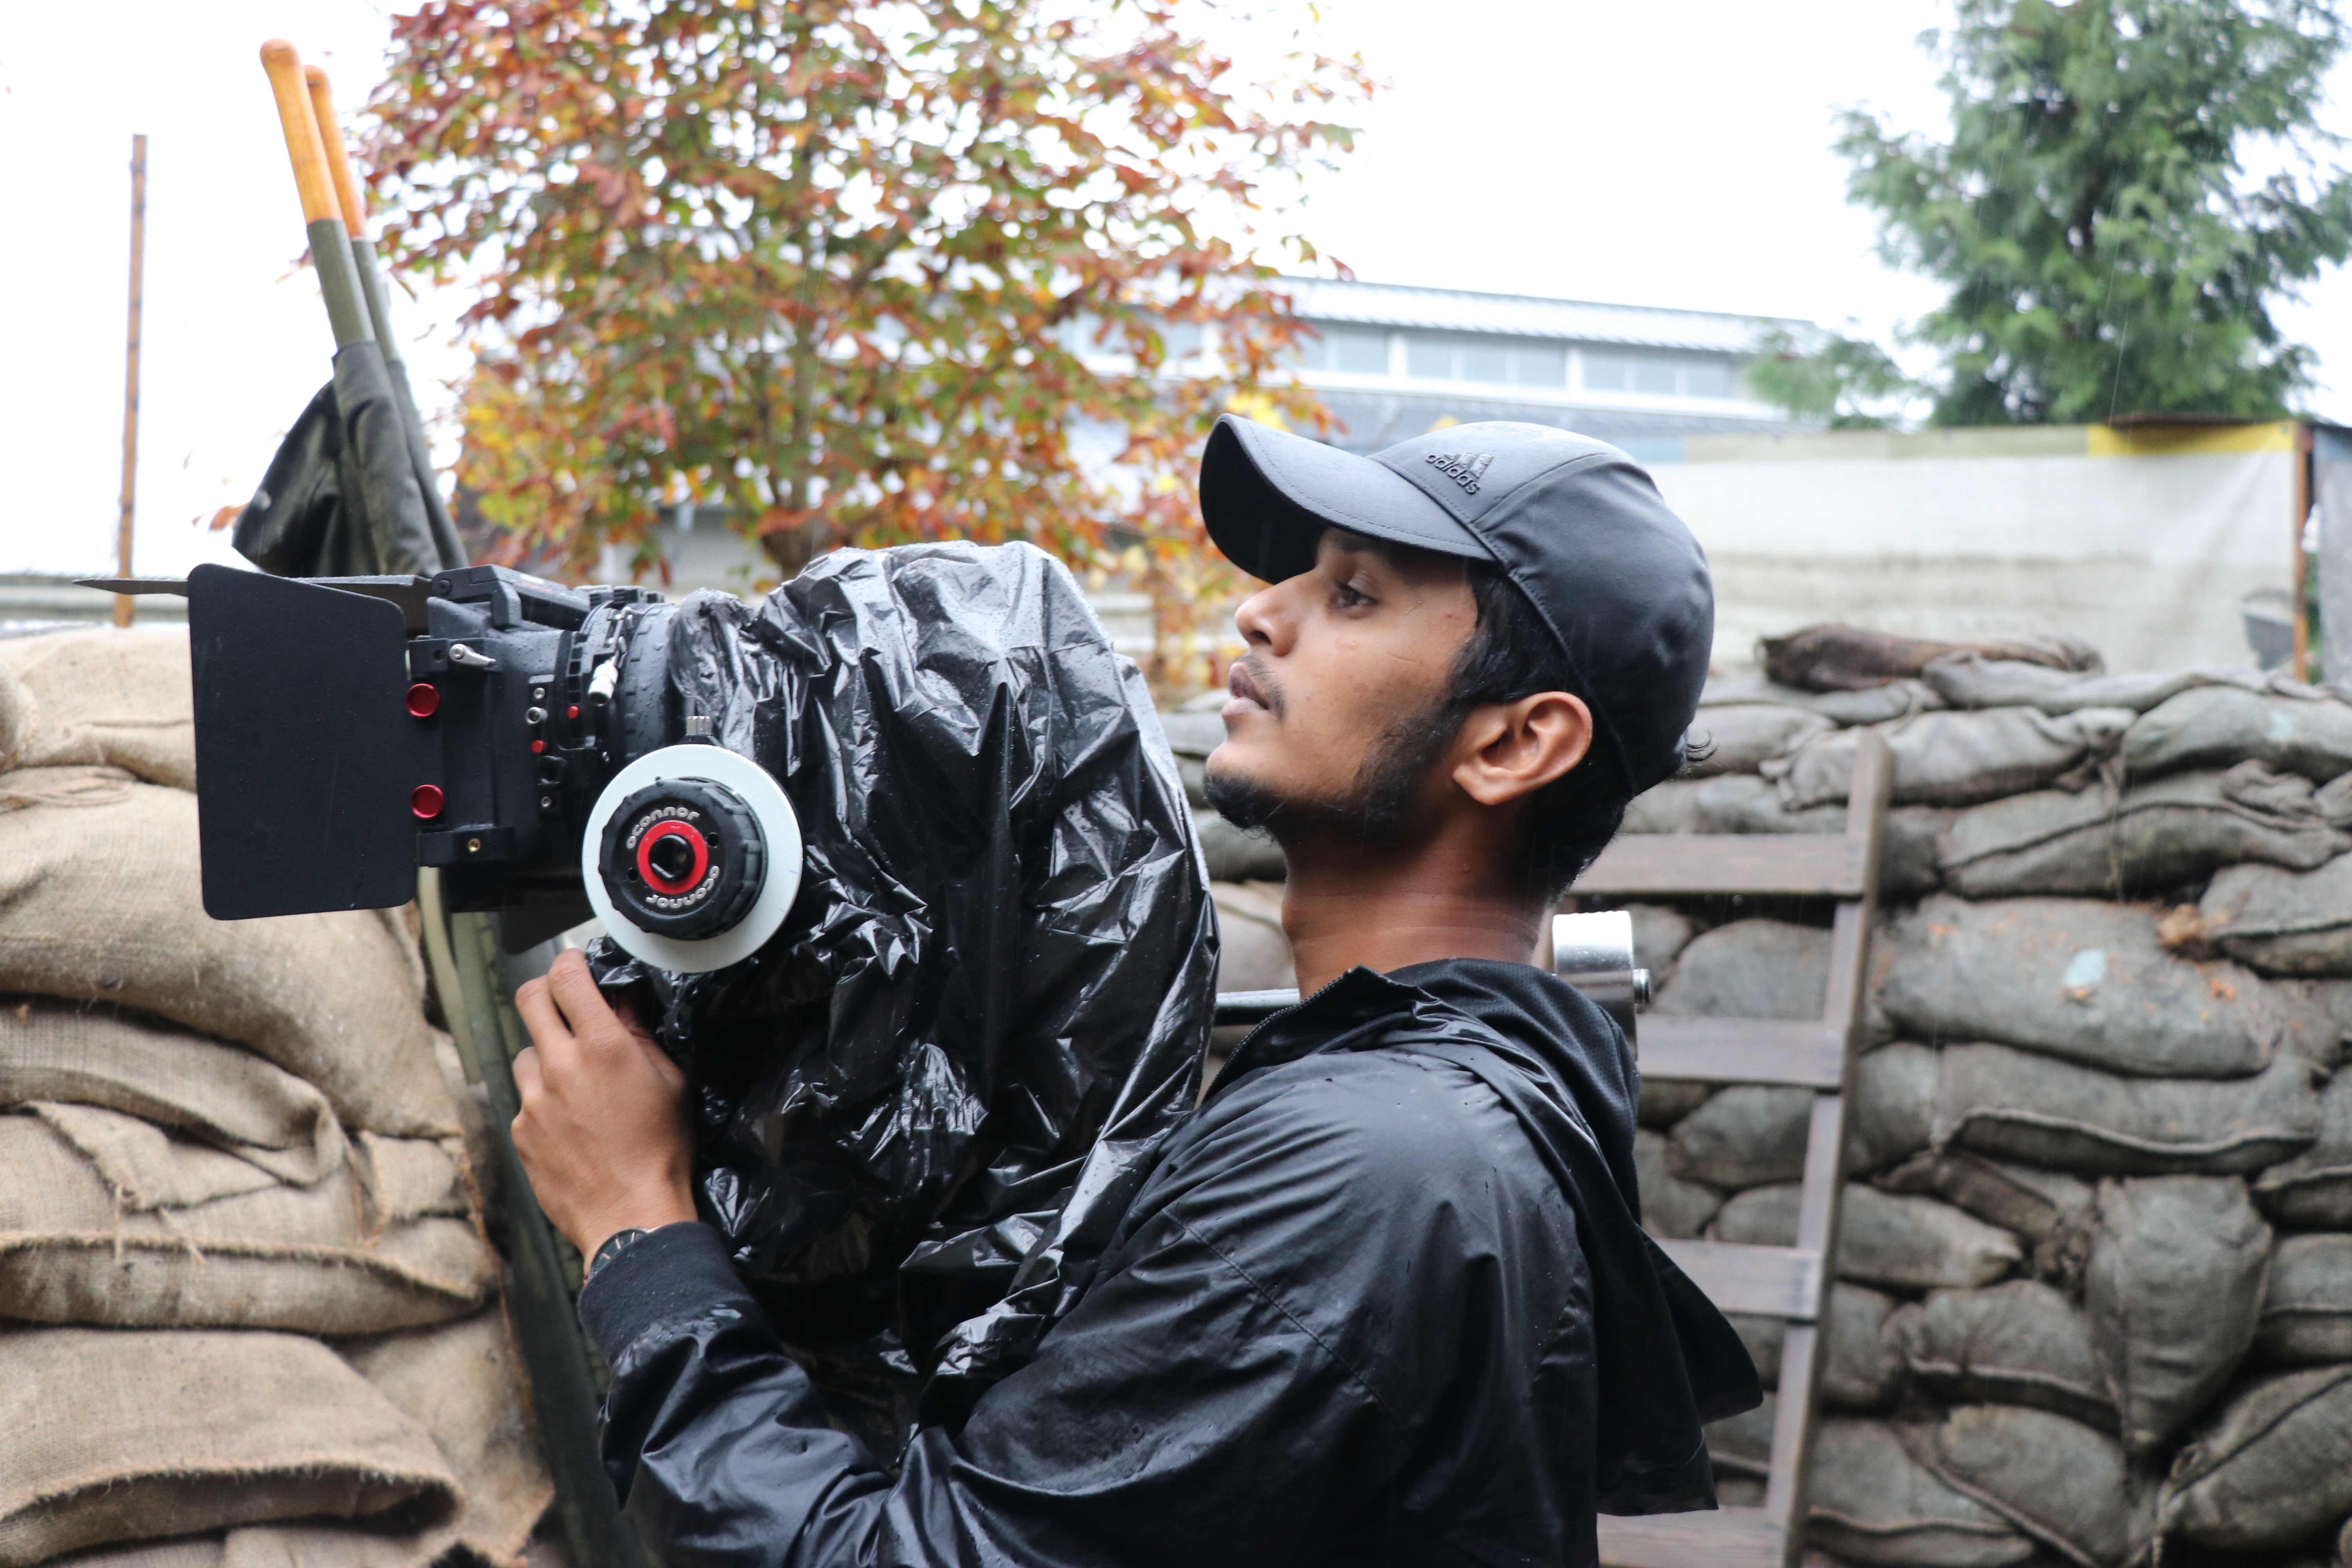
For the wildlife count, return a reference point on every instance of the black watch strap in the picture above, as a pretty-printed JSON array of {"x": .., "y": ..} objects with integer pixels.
[{"x": 614, "y": 1245}]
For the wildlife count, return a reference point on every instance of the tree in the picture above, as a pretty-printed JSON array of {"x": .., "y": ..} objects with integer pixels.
[
  {"x": 840, "y": 264},
  {"x": 1846, "y": 383},
  {"x": 2109, "y": 247}
]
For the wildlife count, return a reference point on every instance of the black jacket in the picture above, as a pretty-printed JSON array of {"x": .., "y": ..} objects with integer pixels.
[{"x": 1383, "y": 1301}]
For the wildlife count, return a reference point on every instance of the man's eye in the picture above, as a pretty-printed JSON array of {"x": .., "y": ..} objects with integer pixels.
[{"x": 1350, "y": 596}]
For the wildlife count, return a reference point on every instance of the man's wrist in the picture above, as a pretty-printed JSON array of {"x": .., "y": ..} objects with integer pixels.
[{"x": 652, "y": 1213}]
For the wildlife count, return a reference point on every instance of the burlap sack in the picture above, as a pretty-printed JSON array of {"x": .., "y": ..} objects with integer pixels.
[
  {"x": 2058, "y": 1480},
  {"x": 2281, "y": 921},
  {"x": 1745, "y": 735},
  {"x": 1890, "y": 1107},
  {"x": 111, "y": 1436},
  {"x": 1971, "y": 680},
  {"x": 2314, "y": 1188},
  {"x": 1667, "y": 1100},
  {"x": 464, "y": 1384},
  {"x": 2017, "y": 1343},
  {"x": 2272, "y": 1470},
  {"x": 85, "y": 1055},
  {"x": 1671, "y": 1207},
  {"x": 1745, "y": 1136},
  {"x": 100, "y": 902},
  {"x": 2049, "y": 1210},
  {"x": 1660, "y": 935},
  {"x": 1741, "y": 1444},
  {"x": 313, "y": 1259},
  {"x": 2307, "y": 1305},
  {"x": 2174, "y": 1289},
  {"x": 2088, "y": 981},
  {"x": 2215, "y": 726},
  {"x": 1662, "y": 807},
  {"x": 322, "y": 1545},
  {"x": 1873, "y": 1502},
  {"x": 2150, "y": 838},
  {"x": 1896, "y": 1241},
  {"x": 112, "y": 697},
  {"x": 1870, "y": 705},
  {"x": 1955, "y": 759},
  {"x": 2020, "y": 1105},
  {"x": 1751, "y": 969},
  {"x": 1862, "y": 1367}
]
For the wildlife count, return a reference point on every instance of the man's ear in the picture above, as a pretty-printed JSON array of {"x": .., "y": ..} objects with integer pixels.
[{"x": 1510, "y": 750}]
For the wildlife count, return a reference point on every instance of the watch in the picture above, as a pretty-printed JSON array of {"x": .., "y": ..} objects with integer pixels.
[{"x": 614, "y": 1245}]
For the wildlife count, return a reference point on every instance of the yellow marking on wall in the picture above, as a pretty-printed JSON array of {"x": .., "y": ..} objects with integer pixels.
[{"x": 2191, "y": 440}]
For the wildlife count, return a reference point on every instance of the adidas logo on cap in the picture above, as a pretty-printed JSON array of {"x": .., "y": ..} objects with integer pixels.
[{"x": 1463, "y": 470}]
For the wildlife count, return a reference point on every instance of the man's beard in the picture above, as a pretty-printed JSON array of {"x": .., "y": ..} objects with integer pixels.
[{"x": 1376, "y": 806}]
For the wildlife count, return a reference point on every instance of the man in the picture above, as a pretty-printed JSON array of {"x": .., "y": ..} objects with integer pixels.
[{"x": 1384, "y": 1299}]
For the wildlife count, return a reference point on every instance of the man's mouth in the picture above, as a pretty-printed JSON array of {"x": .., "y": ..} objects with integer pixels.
[{"x": 1247, "y": 697}]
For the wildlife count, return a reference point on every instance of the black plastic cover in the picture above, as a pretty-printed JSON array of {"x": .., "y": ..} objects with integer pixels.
[{"x": 924, "y": 1106}]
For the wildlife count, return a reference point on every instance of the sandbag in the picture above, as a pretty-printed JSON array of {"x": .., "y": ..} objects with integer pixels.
[
  {"x": 1744, "y": 735},
  {"x": 1671, "y": 1207},
  {"x": 2058, "y": 1480},
  {"x": 1743, "y": 802},
  {"x": 1868, "y": 705},
  {"x": 2314, "y": 1188},
  {"x": 1667, "y": 1100},
  {"x": 1862, "y": 1368},
  {"x": 1898, "y": 1241},
  {"x": 1889, "y": 1108},
  {"x": 111, "y": 1437},
  {"x": 141, "y": 1067},
  {"x": 2174, "y": 1289},
  {"x": 2214, "y": 726},
  {"x": 1660, "y": 935},
  {"x": 1873, "y": 1502},
  {"x": 1972, "y": 681},
  {"x": 1662, "y": 808},
  {"x": 312, "y": 1258},
  {"x": 1253, "y": 952},
  {"x": 2151, "y": 838},
  {"x": 2282, "y": 921},
  {"x": 2020, "y": 1105},
  {"x": 2306, "y": 1313},
  {"x": 2273, "y": 1468},
  {"x": 2051, "y": 1211},
  {"x": 1954, "y": 759},
  {"x": 100, "y": 902},
  {"x": 2017, "y": 1343},
  {"x": 1744, "y": 1136},
  {"x": 464, "y": 1384},
  {"x": 1235, "y": 856},
  {"x": 2088, "y": 981},
  {"x": 1751, "y": 969},
  {"x": 1829, "y": 657},
  {"x": 1741, "y": 1444},
  {"x": 111, "y": 698}
]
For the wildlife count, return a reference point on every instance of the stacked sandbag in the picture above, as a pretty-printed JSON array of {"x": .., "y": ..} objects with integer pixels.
[
  {"x": 247, "y": 1302},
  {"x": 2093, "y": 1298}
]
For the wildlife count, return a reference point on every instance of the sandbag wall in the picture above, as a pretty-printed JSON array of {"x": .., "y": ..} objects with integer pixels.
[
  {"x": 248, "y": 1311},
  {"x": 2094, "y": 1298}
]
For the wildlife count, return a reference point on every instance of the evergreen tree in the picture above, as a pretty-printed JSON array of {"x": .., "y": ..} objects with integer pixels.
[{"x": 2129, "y": 188}]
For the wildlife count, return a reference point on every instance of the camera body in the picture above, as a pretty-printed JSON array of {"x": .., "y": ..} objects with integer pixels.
[{"x": 522, "y": 737}]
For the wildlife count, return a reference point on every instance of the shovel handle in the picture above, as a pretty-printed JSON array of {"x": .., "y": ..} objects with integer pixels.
[
  {"x": 338, "y": 161},
  {"x": 294, "y": 117}
]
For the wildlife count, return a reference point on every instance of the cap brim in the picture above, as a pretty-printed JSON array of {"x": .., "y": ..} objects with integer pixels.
[{"x": 1267, "y": 497}]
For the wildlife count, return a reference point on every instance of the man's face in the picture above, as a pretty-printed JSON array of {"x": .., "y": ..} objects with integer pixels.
[{"x": 1349, "y": 664}]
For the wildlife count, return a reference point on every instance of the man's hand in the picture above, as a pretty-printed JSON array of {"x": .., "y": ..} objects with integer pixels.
[{"x": 603, "y": 1131}]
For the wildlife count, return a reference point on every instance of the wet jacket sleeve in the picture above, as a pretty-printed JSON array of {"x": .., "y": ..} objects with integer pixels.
[{"x": 1184, "y": 1412}]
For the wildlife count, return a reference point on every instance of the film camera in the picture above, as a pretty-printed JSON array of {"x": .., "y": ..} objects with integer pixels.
[{"x": 521, "y": 736}]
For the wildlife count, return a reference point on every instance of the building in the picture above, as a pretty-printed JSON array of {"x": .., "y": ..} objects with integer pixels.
[{"x": 1392, "y": 362}]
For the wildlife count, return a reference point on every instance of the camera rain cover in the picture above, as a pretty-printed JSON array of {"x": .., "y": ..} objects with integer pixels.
[{"x": 924, "y": 1105}]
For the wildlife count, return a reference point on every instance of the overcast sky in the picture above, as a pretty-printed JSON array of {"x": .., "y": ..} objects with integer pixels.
[{"x": 1651, "y": 155}]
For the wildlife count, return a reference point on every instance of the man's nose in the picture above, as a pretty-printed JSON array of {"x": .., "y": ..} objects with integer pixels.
[{"x": 1261, "y": 621}]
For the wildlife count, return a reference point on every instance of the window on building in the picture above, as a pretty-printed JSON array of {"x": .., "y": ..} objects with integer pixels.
[
  {"x": 1706, "y": 378},
  {"x": 1429, "y": 359},
  {"x": 1539, "y": 364},
  {"x": 1657, "y": 376},
  {"x": 1490, "y": 363},
  {"x": 1355, "y": 351}
]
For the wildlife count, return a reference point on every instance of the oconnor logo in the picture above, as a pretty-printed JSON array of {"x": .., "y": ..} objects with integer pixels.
[{"x": 1463, "y": 470}]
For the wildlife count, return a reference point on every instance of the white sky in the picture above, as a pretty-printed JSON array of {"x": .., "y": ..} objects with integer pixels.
[{"x": 1649, "y": 154}]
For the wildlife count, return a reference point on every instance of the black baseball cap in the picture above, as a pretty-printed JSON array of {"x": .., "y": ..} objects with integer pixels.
[{"x": 1574, "y": 522}]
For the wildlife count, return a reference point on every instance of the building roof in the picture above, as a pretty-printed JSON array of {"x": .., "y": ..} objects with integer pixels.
[{"x": 1528, "y": 316}]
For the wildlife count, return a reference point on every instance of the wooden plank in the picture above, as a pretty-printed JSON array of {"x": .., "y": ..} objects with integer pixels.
[
  {"x": 1777, "y": 1281},
  {"x": 1695, "y": 863},
  {"x": 1727, "y": 1538},
  {"x": 1742, "y": 1050}
]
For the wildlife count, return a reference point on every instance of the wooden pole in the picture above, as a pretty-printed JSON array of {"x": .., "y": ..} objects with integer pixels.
[
  {"x": 124, "y": 603},
  {"x": 2301, "y": 590}
]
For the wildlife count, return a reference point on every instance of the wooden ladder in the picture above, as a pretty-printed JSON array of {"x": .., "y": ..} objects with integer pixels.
[{"x": 1787, "y": 1282}]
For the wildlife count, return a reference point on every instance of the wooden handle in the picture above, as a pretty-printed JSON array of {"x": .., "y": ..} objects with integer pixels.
[
  {"x": 294, "y": 116},
  {"x": 339, "y": 161}
]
